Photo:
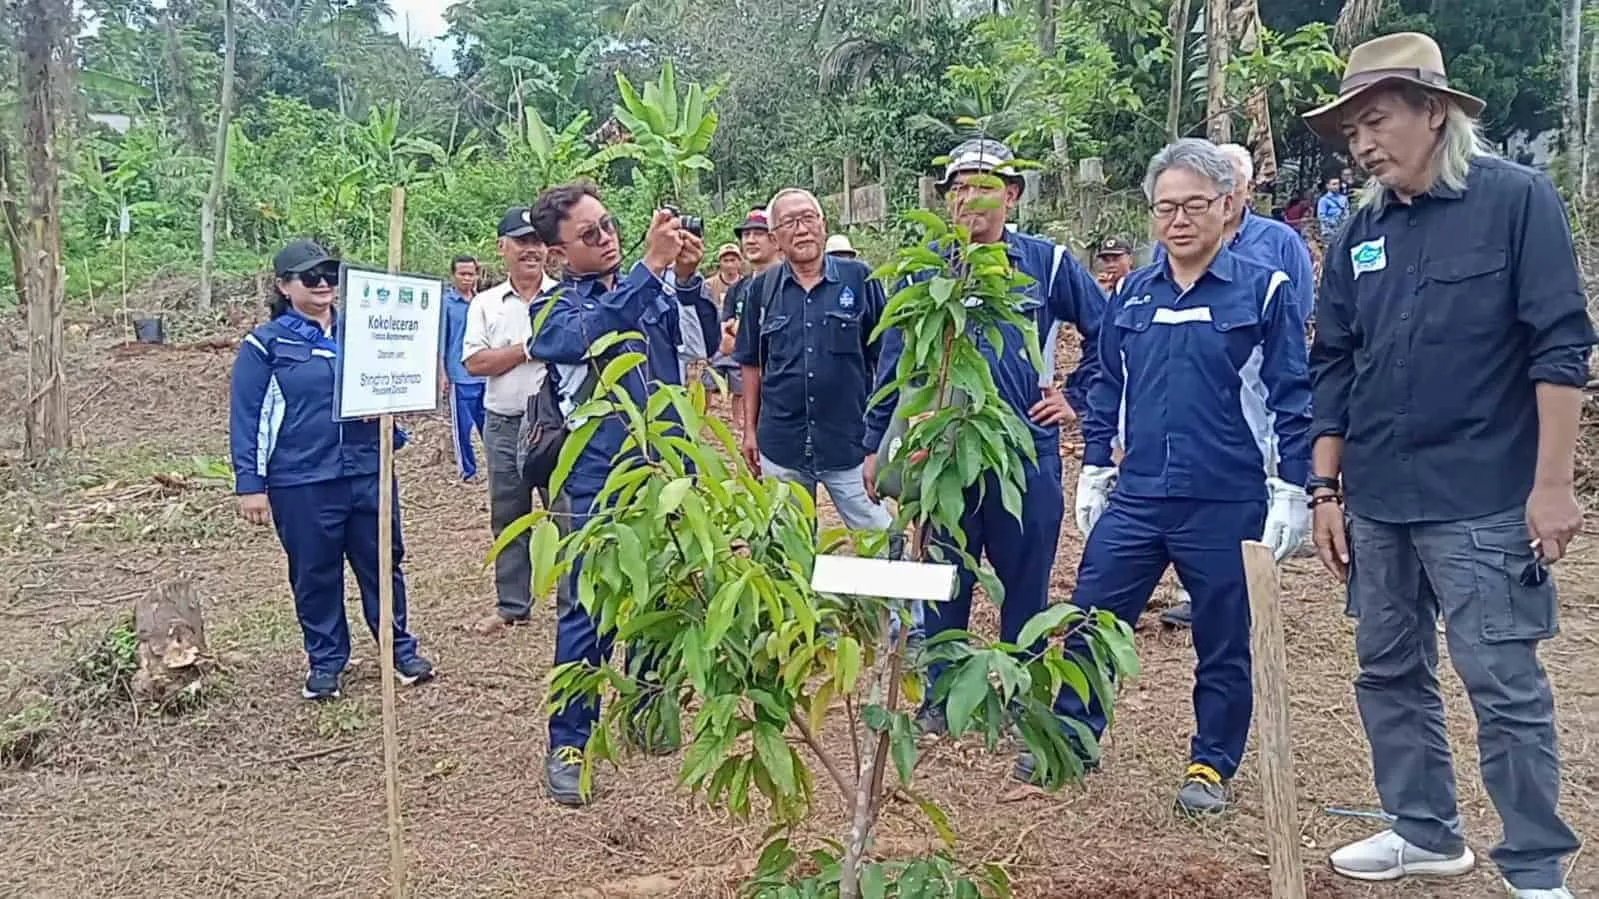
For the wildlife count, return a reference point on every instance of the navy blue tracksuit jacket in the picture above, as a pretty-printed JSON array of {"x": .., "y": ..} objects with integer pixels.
[
  {"x": 1207, "y": 390},
  {"x": 320, "y": 476},
  {"x": 1022, "y": 553},
  {"x": 584, "y": 310}
]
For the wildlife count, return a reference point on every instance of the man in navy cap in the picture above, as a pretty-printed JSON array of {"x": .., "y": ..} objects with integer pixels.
[
  {"x": 1021, "y": 552},
  {"x": 494, "y": 348}
]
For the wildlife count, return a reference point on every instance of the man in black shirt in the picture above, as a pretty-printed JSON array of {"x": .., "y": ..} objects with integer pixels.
[
  {"x": 1450, "y": 354},
  {"x": 804, "y": 341}
]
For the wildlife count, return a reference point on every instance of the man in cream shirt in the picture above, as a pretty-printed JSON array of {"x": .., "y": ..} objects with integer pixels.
[{"x": 498, "y": 327}]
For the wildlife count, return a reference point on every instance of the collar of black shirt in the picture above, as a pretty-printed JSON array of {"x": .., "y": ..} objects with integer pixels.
[{"x": 1440, "y": 191}]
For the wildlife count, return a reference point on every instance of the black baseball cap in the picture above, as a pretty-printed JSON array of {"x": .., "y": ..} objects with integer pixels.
[
  {"x": 300, "y": 256},
  {"x": 518, "y": 222},
  {"x": 1113, "y": 246}
]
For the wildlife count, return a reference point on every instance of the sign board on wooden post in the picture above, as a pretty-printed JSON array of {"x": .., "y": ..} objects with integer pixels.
[{"x": 388, "y": 343}]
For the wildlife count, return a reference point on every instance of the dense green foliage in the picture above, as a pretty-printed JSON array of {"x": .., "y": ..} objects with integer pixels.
[{"x": 332, "y": 108}]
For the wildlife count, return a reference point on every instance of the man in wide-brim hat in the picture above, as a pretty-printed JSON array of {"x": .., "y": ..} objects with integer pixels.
[{"x": 1450, "y": 354}]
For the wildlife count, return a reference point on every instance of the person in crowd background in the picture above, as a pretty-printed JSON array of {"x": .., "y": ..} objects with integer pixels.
[{"x": 463, "y": 391}]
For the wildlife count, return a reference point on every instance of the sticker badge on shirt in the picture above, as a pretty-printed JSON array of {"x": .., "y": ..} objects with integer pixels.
[
  {"x": 1369, "y": 256},
  {"x": 846, "y": 300}
]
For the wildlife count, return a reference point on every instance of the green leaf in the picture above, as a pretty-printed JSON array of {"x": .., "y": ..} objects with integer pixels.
[
  {"x": 848, "y": 664},
  {"x": 571, "y": 448},
  {"x": 902, "y": 744},
  {"x": 969, "y": 691},
  {"x": 933, "y": 226},
  {"x": 630, "y": 553},
  {"x": 1045, "y": 622},
  {"x": 512, "y": 531},
  {"x": 544, "y": 546},
  {"x": 874, "y": 883},
  {"x": 775, "y": 756}
]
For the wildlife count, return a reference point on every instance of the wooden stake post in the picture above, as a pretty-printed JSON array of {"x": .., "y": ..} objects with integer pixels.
[
  {"x": 1276, "y": 757},
  {"x": 391, "y": 723}
]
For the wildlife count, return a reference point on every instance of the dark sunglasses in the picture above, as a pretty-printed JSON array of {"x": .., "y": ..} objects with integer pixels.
[
  {"x": 595, "y": 235},
  {"x": 319, "y": 277}
]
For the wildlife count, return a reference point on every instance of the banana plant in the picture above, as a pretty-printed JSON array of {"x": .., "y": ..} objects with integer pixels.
[
  {"x": 672, "y": 132},
  {"x": 556, "y": 157}
]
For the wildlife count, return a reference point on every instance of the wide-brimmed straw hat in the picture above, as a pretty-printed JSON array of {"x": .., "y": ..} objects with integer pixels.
[{"x": 1405, "y": 57}]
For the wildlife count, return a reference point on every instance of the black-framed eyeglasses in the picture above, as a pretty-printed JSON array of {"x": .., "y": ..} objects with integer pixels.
[
  {"x": 319, "y": 276},
  {"x": 1165, "y": 209},
  {"x": 808, "y": 218},
  {"x": 595, "y": 234}
]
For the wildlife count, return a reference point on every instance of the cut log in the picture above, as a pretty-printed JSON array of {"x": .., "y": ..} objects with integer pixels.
[{"x": 171, "y": 637}]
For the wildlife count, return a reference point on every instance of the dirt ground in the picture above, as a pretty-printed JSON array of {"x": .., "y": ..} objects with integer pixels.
[{"x": 256, "y": 793}]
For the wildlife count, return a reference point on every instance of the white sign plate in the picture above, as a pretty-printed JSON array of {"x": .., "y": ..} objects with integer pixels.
[
  {"x": 388, "y": 343},
  {"x": 853, "y": 576}
]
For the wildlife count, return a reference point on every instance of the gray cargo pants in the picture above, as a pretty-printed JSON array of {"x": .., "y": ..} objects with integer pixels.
[
  {"x": 510, "y": 498},
  {"x": 1401, "y": 577}
]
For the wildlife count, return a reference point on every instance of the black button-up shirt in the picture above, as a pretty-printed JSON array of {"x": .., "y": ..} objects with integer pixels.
[
  {"x": 1434, "y": 322},
  {"x": 817, "y": 360}
]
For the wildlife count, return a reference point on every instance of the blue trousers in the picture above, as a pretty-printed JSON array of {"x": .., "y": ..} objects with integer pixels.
[
  {"x": 321, "y": 526},
  {"x": 577, "y": 636},
  {"x": 1020, "y": 552},
  {"x": 1128, "y": 551},
  {"x": 466, "y": 413}
]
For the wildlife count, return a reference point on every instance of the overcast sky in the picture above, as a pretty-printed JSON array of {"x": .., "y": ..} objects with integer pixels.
[{"x": 422, "y": 22}]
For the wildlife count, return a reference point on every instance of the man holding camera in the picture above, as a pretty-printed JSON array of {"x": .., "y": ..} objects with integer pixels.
[
  {"x": 593, "y": 300},
  {"x": 805, "y": 347}
]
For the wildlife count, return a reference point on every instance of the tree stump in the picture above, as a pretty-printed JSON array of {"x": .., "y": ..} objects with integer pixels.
[{"x": 171, "y": 637}]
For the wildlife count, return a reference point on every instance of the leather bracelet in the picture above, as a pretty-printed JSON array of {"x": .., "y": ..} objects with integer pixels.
[{"x": 1322, "y": 499}]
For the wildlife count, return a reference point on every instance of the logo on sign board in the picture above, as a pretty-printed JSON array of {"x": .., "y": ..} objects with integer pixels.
[
  {"x": 1369, "y": 256},
  {"x": 366, "y": 296},
  {"x": 407, "y": 296},
  {"x": 383, "y": 296},
  {"x": 846, "y": 300},
  {"x": 424, "y": 298}
]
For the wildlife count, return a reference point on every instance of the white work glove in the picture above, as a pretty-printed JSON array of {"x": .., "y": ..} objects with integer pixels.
[
  {"x": 1287, "y": 517},
  {"x": 1093, "y": 495}
]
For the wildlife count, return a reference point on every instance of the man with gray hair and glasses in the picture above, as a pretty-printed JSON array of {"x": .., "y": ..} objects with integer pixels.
[
  {"x": 807, "y": 355},
  {"x": 1269, "y": 242},
  {"x": 1451, "y": 351},
  {"x": 1211, "y": 404}
]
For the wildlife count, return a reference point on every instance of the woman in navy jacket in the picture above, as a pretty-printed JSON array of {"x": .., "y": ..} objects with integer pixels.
[{"x": 311, "y": 476}]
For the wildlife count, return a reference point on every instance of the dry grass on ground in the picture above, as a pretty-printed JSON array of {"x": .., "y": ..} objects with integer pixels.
[{"x": 254, "y": 793}]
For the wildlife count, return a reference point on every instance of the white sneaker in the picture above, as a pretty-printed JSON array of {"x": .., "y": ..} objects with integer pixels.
[
  {"x": 1556, "y": 893},
  {"x": 1387, "y": 856}
]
